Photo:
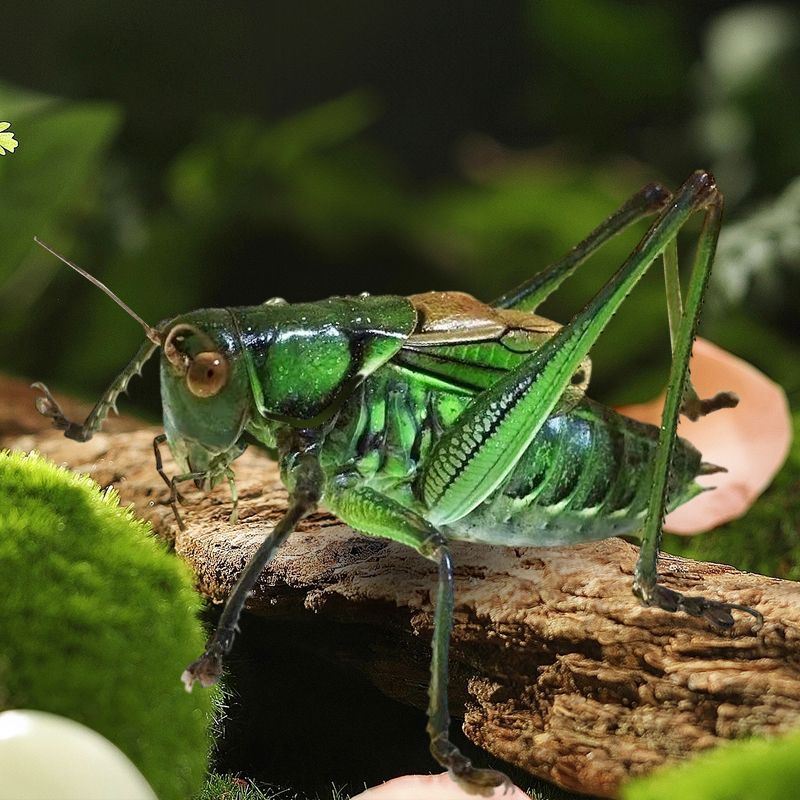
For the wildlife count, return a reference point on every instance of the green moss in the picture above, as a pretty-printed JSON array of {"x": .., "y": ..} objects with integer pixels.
[
  {"x": 760, "y": 768},
  {"x": 228, "y": 787},
  {"x": 98, "y": 620},
  {"x": 767, "y": 539}
]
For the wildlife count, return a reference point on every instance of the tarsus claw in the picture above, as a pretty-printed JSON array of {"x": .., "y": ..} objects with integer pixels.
[
  {"x": 460, "y": 767},
  {"x": 714, "y": 611},
  {"x": 47, "y": 406},
  {"x": 205, "y": 670},
  {"x": 695, "y": 407}
]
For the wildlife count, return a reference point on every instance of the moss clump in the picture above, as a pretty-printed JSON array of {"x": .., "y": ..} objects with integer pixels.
[
  {"x": 767, "y": 769},
  {"x": 97, "y": 622},
  {"x": 767, "y": 539}
]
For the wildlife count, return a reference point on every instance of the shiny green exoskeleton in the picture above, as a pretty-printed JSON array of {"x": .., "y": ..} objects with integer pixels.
[{"x": 436, "y": 417}]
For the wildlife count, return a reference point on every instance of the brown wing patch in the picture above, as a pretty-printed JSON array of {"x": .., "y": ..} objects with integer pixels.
[
  {"x": 459, "y": 318},
  {"x": 459, "y": 338}
]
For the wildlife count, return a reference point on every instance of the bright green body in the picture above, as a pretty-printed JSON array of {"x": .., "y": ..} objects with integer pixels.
[
  {"x": 381, "y": 408},
  {"x": 585, "y": 476}
]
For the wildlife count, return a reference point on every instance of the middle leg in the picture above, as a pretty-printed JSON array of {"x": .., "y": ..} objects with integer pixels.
[{"x": 369, "y": 511}]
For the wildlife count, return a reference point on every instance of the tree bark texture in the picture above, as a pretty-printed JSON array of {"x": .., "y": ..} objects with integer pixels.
[{"x": 555, "y": 667}]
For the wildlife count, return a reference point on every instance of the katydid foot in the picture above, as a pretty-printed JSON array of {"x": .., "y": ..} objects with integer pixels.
[
  {"x": 207, "y": 669},
  {"x": 47, "y": 406},
  {"x": 460, "y": 767},
  {"x": 694, "y": 407},
  {"x": 716, "y": 612}
]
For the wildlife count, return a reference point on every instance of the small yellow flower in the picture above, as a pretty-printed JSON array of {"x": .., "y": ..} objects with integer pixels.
[{"x": 7, "y": 141}]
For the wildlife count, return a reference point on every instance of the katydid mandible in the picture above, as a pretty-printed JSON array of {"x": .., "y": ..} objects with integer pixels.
[{"x": 437, "y": 418}]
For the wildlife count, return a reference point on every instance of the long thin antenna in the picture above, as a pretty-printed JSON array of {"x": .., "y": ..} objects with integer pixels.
[{"x": 152, "y": 334}]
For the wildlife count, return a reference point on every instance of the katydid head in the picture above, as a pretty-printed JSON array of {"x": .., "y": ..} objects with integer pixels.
[
  {"x": 205, "y": 392},
  {"x": 205, "y": 397}
]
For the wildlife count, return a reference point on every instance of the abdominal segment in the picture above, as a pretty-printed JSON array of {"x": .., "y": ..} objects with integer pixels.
[{"x": 587, "y": 475}]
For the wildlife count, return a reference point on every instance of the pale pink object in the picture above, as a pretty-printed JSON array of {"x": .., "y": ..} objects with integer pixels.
[
  {"x": 436, "y": 787},
  {"x": 750, "y": 441}
]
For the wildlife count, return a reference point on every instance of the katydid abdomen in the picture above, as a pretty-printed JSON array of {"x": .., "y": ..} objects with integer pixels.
[{"x": 585, "y": 476}]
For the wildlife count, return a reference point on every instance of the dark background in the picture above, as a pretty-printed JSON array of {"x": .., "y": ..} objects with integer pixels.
[{"x": 216, "y": 154}]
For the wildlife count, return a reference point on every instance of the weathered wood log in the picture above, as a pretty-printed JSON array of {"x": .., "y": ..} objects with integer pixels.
[{"x": 555, "y": 666}]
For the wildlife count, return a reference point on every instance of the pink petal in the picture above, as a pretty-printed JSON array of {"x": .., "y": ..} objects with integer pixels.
[
  {"x": 435, "y": 787},
  {"x": 750, "y": 441}
]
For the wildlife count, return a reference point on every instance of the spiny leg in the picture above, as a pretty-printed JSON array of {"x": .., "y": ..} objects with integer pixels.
[
  {"x": 646, "y": 585},
  {"x": 475, "y": 455},
  {"x": 647, "y": 201},
  {"x": 374, "y": 513},
  {"x": 533, "y": 292},
  {"x": 306, "y": 481},
  {"x": 442, "y": 749},
  {"x": 175, "y": 496},
  {"x": 231, "y": 476},
  {"x": 47, "y": 405}
]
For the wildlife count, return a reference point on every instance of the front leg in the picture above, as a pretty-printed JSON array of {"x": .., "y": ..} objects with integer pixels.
[
  {"x": 306, "y": 482},
  {"x": 81, "y": 432}
]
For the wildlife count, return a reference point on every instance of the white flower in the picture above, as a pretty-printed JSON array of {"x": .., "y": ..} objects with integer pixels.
[{"x": 8, "y": 144}]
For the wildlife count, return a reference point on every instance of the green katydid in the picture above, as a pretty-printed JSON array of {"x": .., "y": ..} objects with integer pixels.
[{"x": 436, "y": 418}]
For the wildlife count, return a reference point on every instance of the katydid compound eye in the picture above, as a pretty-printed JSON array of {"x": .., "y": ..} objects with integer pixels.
[
  {"x": 174, "y": 345},
  {"x": 207, "y": 374}
]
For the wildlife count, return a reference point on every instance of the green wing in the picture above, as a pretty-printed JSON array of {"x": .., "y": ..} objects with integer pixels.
[{"x": 464, "y": 346}]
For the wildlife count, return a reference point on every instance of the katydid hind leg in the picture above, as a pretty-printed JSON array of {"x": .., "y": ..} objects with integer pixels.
[
  {"x": 646, "y": 586},
  {"x": 534, "y": 291},
  {"x": 692, "y": 406},
  {"x": 306, "y": 490},
  {"x": 473, "y": 457},
  {"x": 647, "y": 201}
]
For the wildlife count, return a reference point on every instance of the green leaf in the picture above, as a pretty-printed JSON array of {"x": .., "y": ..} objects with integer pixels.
[{"x": 63, "y": 144}]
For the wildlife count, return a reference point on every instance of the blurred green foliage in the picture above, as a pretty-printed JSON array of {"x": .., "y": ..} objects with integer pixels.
[
  {"x": 63, "y": 144},
  {"x": 411, "y": 175},
  {"x": 760, "y": 768}
]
